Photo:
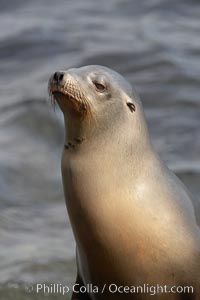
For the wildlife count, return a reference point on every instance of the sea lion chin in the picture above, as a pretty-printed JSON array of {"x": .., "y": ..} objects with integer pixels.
[{"x": 132, "y": 219}]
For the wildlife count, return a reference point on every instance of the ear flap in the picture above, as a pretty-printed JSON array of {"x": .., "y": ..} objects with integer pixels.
[{"x": 131, "y": 106}]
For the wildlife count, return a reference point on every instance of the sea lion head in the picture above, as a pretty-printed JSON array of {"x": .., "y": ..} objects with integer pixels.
[{"x": 94, "y": 97}]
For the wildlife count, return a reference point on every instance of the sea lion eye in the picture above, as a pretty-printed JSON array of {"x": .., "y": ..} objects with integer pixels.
[{"x": 99, "y": 86}]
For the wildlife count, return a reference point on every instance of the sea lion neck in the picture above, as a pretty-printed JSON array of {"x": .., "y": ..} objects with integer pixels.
[{"x": 119, "y": 140}]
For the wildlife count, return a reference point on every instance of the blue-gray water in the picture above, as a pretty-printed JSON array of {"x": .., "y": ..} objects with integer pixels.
[{"x": 154, "y": 43}]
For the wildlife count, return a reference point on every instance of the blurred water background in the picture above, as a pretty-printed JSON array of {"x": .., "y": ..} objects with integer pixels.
[{"x": 154, "y": 43}]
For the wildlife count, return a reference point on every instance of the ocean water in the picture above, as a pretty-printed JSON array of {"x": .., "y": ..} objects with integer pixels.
[{"x": 155, "y": 44}]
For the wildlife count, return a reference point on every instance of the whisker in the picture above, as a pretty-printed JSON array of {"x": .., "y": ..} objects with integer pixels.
[{"x": 71, "y": 88}]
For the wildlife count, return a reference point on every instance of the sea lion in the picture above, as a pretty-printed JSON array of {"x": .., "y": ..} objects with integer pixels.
[{"x": 132, "y": 218}]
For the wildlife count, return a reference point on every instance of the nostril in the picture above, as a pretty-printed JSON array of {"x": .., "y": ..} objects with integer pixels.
[{"x": 58, "y": 76}]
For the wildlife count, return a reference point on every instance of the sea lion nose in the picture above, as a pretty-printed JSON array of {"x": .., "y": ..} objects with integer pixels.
[{"x": 58, "y": 76}]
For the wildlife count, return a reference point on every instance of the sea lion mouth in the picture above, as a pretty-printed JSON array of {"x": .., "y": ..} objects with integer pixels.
[
  {"x": 67, "y": 94},
  {"x": 60, "y": 93}
]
